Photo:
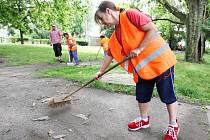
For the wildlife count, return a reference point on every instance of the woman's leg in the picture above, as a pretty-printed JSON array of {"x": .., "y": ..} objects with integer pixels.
[{"x": 165, "y": 88}]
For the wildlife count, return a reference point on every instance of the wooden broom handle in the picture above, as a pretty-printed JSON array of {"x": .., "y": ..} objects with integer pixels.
[{"x": 109, "y": 69}]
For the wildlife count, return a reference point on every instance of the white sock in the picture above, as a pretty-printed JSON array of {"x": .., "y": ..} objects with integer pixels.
[
  {"x": 145, "y": 118},
  {"x": 173, "y": 123}
]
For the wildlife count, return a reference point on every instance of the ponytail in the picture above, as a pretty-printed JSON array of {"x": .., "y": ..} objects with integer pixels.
[
  {"x": 119, "y": 9},
  {"x": 102, "y": 8}
]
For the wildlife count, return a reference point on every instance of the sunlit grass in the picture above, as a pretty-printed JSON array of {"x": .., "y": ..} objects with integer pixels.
[{"x": 16, "y": 55}]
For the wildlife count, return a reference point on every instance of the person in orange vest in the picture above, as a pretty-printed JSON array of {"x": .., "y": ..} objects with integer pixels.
[
  {"x": 104, "y": 43},
  {"x": 72, "y": 48},
  {"x": 152, "y": 61}
]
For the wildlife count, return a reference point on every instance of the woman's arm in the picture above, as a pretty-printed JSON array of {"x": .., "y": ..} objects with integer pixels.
[{"x": 106, "y": 63}]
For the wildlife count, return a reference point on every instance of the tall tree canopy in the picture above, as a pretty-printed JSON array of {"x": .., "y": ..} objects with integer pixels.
[
  {"x": 196, "y": 15},
  {"x": 27, "y": 15}
]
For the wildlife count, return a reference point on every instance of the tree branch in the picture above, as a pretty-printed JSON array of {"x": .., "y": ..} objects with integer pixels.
[
  {"x": 173, "y": 10},
  {"x": 168, "y": 20}
]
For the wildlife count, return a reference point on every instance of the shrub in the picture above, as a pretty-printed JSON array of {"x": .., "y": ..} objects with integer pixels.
[
  {"x": 17, "y": 39},
  {"x": 82, "y": 43},
  {"x": 41, "y": 41}
]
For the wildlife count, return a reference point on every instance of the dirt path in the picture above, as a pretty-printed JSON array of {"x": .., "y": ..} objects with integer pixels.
[{"x": 106, "y": 114}]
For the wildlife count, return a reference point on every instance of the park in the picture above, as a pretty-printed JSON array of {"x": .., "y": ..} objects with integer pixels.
[{"x": 51, "y": 48}]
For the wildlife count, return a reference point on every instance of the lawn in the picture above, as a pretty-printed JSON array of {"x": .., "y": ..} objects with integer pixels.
[
  {"x": 32, "y": 54},
  {"x": 192, "y": 82}
]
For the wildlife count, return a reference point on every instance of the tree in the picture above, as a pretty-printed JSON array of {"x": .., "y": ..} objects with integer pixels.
[
  {"x": 39, "y": 15},
  {"x": 15, "y": 13},
  {"x": 68, "y": 15},
  {"x": 168, "y": 25},
  {"x": 194, "y": 18},
  {"x": 195, "y": 15}
]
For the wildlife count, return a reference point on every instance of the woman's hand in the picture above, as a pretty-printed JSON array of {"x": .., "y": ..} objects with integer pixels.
[
  {"x": 98, "y": 74},
  {"x": 135, "y": 52}
]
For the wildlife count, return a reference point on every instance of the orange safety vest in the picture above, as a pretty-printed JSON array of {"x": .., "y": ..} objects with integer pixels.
[
  {"x": 71, "y": 44},
  {"x": 155, "y": 58},
  {"x": 104, "y": 43}
]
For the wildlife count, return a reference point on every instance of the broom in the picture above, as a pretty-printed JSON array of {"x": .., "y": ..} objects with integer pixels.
[
  {"x": 98, "y": 53},
  {"x": 65, "y": 99}
]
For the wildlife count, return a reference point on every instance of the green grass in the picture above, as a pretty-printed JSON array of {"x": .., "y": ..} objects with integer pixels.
[
  {"x": 32, "y": 54},
  {"x": 83, "y": 75},
  {"x": 21, "y": 55},
  {"x": 192, "y": 81}
]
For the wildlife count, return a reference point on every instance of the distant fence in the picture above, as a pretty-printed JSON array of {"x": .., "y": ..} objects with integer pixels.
[{"x": 26, "y": 40}]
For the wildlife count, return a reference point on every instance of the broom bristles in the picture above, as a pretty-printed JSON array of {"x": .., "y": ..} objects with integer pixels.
[{"x": 58, "y": 101}]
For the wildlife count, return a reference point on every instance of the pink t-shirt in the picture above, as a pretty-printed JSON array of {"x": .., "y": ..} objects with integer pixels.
[
  {"x": 55, "y": 36},
  {"x": 138, "y": 18}
]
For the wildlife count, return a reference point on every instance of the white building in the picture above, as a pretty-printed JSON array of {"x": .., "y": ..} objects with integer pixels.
[{"x": 3, "y": 34}]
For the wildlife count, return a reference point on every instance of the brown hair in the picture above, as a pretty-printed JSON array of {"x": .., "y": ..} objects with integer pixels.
[
  {"x": 64, "y": 34},
  {"x": 102, "y": 8}
]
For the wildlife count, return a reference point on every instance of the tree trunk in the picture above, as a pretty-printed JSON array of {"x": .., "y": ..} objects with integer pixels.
[
  {"x": 195, "y": 37},
  {"x": 21, "y": 36}
]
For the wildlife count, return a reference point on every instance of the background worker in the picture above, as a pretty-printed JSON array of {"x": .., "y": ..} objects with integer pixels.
[
  {"x": 104, "y": 43},
  {"x": 72, "y": 48},
  {"x": 55, "y": 40}
]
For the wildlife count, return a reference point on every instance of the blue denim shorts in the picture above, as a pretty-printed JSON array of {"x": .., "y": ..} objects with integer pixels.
[{"x": 164, "y": 84}]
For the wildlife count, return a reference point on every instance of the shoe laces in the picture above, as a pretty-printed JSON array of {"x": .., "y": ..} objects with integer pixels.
[
  {"x": 171, "y": 132},
  {"x": 138, "y": 121}
]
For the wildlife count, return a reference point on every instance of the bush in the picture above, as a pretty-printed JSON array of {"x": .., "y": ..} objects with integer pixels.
[
  {"x": 41, "y": 41},
  {"x": 41, "y": 34},
  {"x": 13, "y": 39},
  {"x": 82, "y": 43},
  {"x": 24, "y": 39},
  {"x": 17, "y": 39}
]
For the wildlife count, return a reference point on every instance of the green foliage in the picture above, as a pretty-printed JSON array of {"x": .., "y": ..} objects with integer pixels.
[
  {"x": 206, "y": 28},
  {"x": 68, "y": 15},
  {"x": 40, "y": 41},
  {"x": 82, "y": 43},
  {"x": 38, "y": 16},
  {"x": 17, "y": 39},
  {"x": 41, "y": 34},
  {"x": 107, "y": 31},
  {"x": 172, "y": 32},
  {"x": 14, "y": 14}
]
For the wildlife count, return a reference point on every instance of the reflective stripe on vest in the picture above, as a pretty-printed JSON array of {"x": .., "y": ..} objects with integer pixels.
[
  {"x": 150, "y": 57},
  {"x": 126, "y": 65}
]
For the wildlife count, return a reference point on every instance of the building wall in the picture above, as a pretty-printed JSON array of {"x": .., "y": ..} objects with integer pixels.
[{"x": 94, "y": 41}]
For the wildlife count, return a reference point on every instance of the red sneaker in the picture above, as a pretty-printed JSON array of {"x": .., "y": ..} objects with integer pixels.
[
  {"x": 172, "y": 133},
  {"x": 138, "y": 123}
]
